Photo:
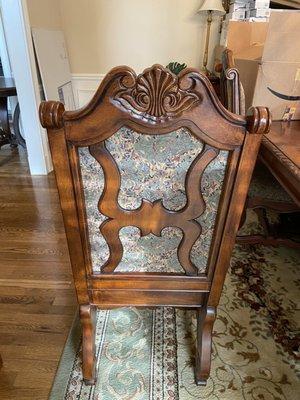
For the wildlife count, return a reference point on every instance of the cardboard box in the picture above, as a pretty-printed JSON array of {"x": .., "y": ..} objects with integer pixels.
[
  {"x": 259, "y": 4},
  {"x": 239, "y": 1},
  {"x": 260, "y": 13},
  {"x": 242, "y": 35},
  {"x": 236, "y": 15},
  {"x": 257, "y": 19},
  {"x": 238, "y": 6},
  {"x": 267, "y": 55}
]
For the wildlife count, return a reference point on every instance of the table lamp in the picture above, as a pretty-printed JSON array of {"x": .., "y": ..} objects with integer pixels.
[{"x": 210, "y": 7}]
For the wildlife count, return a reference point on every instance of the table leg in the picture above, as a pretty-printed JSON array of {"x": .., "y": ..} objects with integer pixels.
[{"x": 6, "y": 136}]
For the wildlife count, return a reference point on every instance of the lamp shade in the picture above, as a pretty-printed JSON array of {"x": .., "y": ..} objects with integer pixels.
[{"x": 212, "y": 5}]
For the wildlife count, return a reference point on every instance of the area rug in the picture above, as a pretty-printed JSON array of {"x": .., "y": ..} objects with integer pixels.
[{"x": 149, "y": 353}]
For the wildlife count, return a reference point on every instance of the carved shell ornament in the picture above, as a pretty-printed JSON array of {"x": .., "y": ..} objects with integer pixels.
[{"x": 156, "y": 94}]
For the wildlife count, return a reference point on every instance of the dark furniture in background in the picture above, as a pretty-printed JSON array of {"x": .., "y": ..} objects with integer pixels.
[
  {"x": 279, "y": 152},
  {"x": 154, "y": 103},
  {"x": 229, "y": 81},
  {"x": 7, "y": 89}
]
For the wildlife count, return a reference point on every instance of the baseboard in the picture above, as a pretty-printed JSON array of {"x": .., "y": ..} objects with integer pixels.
[{"x": 84, "y": 87}]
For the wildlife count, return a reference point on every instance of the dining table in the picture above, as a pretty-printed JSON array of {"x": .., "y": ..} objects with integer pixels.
[{"x": 280, "y": 152}]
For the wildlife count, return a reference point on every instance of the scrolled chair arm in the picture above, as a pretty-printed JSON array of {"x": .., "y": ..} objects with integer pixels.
[
  {"x": 231, "y": 74},
  {"x": 259, "y": 120},
  {"x": 51, "y": 114}
]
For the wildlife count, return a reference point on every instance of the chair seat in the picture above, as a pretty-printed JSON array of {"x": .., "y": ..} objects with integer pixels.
[{"x": 264, "y": 185}]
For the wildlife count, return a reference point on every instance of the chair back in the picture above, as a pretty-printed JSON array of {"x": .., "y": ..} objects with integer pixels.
[
  {"x": 231, "y": 90},
  {"x": 152, "y": 176}
]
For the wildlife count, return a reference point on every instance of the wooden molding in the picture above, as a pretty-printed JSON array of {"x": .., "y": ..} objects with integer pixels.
[
  {"x": 258, "y": 120},
  {"x": 84, "y": 87},
  {"x": 51, "y": 114},
  {"x": 289, "y": 3}
]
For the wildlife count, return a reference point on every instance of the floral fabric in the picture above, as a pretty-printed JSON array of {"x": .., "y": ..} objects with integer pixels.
[{"x": 151, "y": 167}]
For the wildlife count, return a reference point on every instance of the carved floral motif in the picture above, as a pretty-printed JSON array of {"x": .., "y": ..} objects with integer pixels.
[{"x": 156, "y": 94}]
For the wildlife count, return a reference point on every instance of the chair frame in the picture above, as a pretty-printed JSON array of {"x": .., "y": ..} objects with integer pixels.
[
  {"x": 171, "y": 102},
  {"x": 230, "y": 90},
  {"x": 230, "y": 95}
]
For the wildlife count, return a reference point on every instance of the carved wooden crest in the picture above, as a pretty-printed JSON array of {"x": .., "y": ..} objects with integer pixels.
[{"x": 156, "y": 94}]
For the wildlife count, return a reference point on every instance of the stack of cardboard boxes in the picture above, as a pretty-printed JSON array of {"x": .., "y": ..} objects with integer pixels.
[
  {"x": 259, "y": 11},
  {"x": 237, "y": 10},
  {"x": 245, "y": 10},
  {"x": 249, "y": 10},
  {"x": 267, "y": 56}
]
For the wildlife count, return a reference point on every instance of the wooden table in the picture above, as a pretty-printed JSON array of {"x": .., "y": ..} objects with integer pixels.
[
  {"x": 7, "y": 88},
  {"x": 280, "y": 152}
]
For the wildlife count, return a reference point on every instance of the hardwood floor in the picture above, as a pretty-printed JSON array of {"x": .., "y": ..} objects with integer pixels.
[{"x": 37, "y": 299}]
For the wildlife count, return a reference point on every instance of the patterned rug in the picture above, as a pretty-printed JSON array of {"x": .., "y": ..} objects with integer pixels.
[{"x": 149, "y": 353}]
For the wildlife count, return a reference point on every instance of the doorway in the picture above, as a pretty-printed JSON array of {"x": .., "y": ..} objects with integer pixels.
[{"x": 18, "y": 61}]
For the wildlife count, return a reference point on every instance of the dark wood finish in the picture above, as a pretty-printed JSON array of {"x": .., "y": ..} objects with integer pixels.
[
  {"x": 7, "y": 88},
  {"x": 205, "y": 321},
  {"x": 147, "y": 281},
  {"x": 148, "y": 297},
  {"x": 230, "y": 90},
  {"x": 37, "y": 299},
  {"x": 289, "y": 4},
  {"x": 87, "y": 314},
  {"x": 60, "y": 160},
  {"x": 280, "y": 152},
  {"x": 154, "y": 102}
]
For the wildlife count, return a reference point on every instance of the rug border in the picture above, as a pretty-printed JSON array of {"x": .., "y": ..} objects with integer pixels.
[{"x": 60, "y": 382}]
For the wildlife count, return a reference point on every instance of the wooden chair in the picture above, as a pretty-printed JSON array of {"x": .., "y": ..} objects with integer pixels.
[
  {"x": 120, "y": 152},
  {"x": 265, "y": 193},
  {"x": 231, "y": 91}
]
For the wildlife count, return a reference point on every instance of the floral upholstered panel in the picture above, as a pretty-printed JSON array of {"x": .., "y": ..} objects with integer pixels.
[{"x": 152, "y": 167}]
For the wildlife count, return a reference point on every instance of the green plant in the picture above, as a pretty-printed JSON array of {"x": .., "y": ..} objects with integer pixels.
[{"x": 176, "y": 67}]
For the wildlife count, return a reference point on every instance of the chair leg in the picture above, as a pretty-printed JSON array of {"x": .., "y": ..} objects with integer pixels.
[
  {"x": 244, "y": 215},
  {"x": 88, "y": 321},
  {"x": 205, "y": 320}
]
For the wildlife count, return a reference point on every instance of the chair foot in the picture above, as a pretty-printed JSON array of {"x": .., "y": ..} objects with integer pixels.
[
  {"x": 88, "y": 321},
  {"x": 205, "y": 320},
  {"x": 89, "y": 382},
  {"x": 200, "y": 382}
]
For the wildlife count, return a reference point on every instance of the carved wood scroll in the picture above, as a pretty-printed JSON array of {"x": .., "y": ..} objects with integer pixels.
[
  {"x": 151, "y": 217},
  {"x": 156, "y": 94}
]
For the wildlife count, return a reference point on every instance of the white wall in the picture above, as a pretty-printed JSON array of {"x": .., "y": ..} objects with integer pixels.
[
  {"x": 101, "y": 34},
  {"x": 45, "y": 14},
  {"x": 18, "y": 37}
]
